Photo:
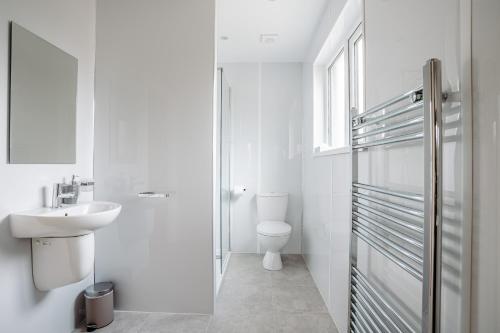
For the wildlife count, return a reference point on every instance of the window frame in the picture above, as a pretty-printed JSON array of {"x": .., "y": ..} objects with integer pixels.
[
  {"x": 353, "y": 86},
  {"x": 328, "y": 116},
  {"x": 346, "y": 47}
]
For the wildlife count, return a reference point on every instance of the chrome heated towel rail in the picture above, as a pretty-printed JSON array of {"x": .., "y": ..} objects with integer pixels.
[{"x": 403, "y": 227}]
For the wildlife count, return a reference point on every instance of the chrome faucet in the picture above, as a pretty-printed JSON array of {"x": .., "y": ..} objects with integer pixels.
[
  {"x": 62, "y": 191},
  {"x": 67, "y": 194}
]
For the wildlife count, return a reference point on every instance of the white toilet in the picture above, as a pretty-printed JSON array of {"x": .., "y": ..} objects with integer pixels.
[{"x": 272, "y": 231}]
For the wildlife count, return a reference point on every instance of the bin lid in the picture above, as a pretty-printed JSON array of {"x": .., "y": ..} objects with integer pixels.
[{"x": 98, "y": 289}]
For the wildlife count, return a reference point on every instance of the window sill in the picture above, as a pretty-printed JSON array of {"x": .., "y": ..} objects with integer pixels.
[{"x": 332, "y": 151}]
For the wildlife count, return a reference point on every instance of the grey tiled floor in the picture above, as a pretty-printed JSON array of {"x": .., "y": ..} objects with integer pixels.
[
  {"x": 251, "y": 300},
  {"x": 254, "y": 300}
]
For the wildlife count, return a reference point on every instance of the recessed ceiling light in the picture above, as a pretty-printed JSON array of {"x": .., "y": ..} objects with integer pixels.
[
  {"x": 268, "y": 38},
  {"x": 224, "y": 37}
]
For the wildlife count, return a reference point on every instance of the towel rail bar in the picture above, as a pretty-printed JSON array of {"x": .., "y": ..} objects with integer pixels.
[{"x": 408, "y": 234}]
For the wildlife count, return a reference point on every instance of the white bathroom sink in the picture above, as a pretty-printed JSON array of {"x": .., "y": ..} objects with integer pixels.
[{"x": 68, "y": 221}]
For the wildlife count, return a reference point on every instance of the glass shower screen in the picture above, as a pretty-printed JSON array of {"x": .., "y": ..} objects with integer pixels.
[{"x": 224, "y": 175}]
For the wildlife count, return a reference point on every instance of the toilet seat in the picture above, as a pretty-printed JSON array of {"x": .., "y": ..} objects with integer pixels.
[{"x": 274, "y": 228}]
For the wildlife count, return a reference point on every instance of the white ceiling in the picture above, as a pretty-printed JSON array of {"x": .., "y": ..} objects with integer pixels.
[{"x": 243, "y": 21}]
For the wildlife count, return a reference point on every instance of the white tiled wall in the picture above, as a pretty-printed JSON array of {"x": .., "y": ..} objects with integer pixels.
[
  {"x": 245, "y": 105},
  {"x": 394, "y": 65},
  {"x": 70, "y": 25},
  {"x": 154, "y": 132},
  {"x": 485, "y": 305},
  {"x": 266, "y": 113},
  {"x": 326, "y": 191},
  {"x": 326, "y": 222}
]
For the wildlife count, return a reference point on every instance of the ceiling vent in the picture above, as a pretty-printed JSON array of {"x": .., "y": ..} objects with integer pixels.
[{"x": 268, "y": 38}]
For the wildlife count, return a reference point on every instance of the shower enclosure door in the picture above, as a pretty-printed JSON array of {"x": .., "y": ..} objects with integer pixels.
[{"x": 224, "y": 145}]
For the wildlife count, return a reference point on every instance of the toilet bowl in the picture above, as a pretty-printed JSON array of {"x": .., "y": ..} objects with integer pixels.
[
  {"x": 272, "y": 231},
  {"x": 273, "y": 236}
]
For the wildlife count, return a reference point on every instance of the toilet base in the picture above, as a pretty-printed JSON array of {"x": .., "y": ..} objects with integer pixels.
[{"x": 272, "y": 261}]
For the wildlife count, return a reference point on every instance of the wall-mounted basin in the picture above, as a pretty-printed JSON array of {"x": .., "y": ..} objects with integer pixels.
[
  {"x": 62, "y": 240},
  {"x": 69, "y": 221}
]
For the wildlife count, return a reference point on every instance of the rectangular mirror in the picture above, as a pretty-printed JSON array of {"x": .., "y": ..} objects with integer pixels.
[{"x": 43, "y": 85}]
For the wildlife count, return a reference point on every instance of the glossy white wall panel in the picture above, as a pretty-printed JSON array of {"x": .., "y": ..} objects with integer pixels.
[
  {"x": 401, "y": 289},
  {"x": 266, "y": 118},
  {"x": 326, "y": 215},
  {"x": 340, "y": 232},
  {"x": 324, "y": 27},
  {"x": 400, "y": 167},
  {"x": 280, "y": 140},
  {"x": 317, "y": 217},
  {"x": 70, "y": 25},
  {"x": 326, "y": 183},
  {"x": 485, "y": 305},
  {"x": 394, "y": 65},
  {"x": 245, "y": 104},
  {"x": 434, "y": 34},
  {"x": 153, "y": 128}
]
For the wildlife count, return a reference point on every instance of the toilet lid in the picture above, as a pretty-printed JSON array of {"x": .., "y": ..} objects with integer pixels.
[{"x": 274, "y": 228}]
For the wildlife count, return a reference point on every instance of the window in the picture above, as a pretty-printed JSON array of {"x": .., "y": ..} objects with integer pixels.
[
  {"x": 339, "y": 79},
  {"x": 336, "y": 107},
  {"x": 356, "y": 68}
]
